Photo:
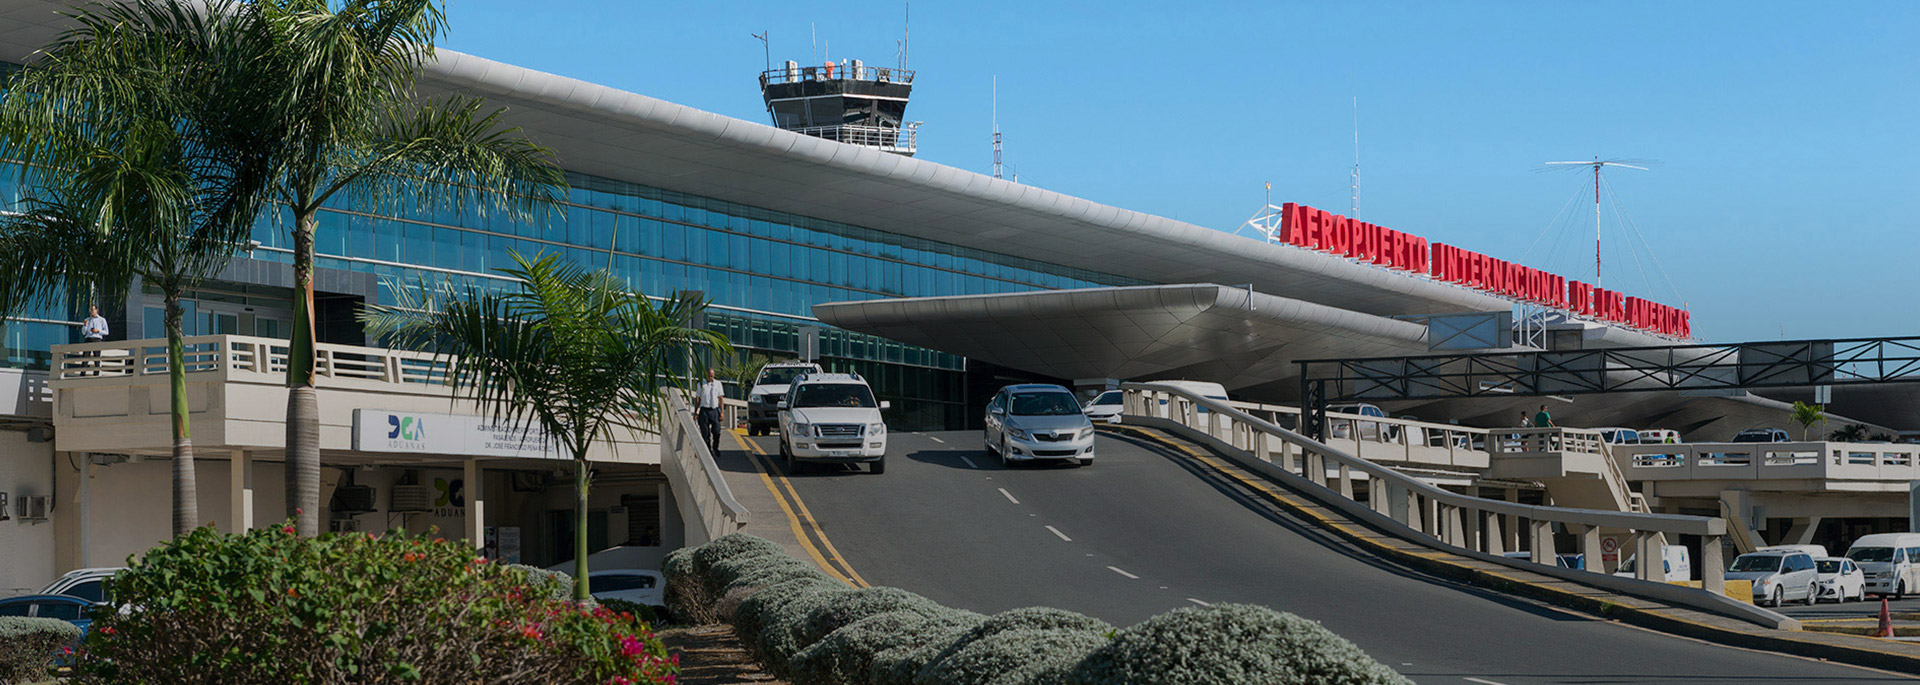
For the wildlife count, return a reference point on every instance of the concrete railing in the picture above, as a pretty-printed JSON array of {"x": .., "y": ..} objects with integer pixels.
[
  {"x": 245, "y": 358},
  {"x": 700, "y": 488},
  {"x": 1378, "y": 438},
  {"x": 1822, "y": 460},
  {"x": 1452, "y": 519}
]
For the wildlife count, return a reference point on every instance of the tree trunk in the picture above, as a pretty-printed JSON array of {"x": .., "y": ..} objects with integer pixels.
[
  {"x": 303, "y": 406},
  {"x": 186, "y": 490},
  {"x": 580, "y": 590}
]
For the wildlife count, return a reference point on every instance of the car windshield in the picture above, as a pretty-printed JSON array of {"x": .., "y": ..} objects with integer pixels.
[
  {"x": 1044, "y": 404},
  {"x": 1754, "y": 436},
  {"x": 1870, "y": 554},
  {"x": 1107, "y": 398},
  {"x": 1756, "y": 563},
  {"x": 782, "y": 376},
  {"x": 834, "y": 395},
  {"x": 1829, "y": 565}
]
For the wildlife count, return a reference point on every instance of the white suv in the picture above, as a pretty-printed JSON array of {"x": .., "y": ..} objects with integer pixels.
[
  {"x": 763, "y": 401},
  {"x": 832, "y": 418}
]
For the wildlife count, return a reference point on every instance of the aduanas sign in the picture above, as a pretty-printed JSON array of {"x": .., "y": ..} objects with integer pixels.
[{"x": 383, "y": 430}]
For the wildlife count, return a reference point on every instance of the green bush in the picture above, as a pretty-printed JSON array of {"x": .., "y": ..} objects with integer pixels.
[
  {"x": 268, "y": 606},
  {"x": 1231, "y": 643},
  {"x": 1029, "y": 618},
  {"x": 1021, "y": 656},
  {"x": 729, "y": 546},
  {"x": 760, "y": 571},
  {"x": 846, "y": 655},
  {"x": 686, "y": 595},
  {"x": 898, "y": 659},
  {"x": 765, "y": 604},
  {"x": 557, "y": 585},
  {"x": 644, "y": 613},
  {"x": 29, "y": 645}
]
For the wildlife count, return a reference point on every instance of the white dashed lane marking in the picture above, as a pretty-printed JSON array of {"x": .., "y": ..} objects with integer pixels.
[
  {"x": 969, "y": 463},
  {"x": 1056, "y": 531},
  {"x": 1009, "y": 495},
  {"x": 1195, "y": 601},
  {"x": 1124, "y": 573}
]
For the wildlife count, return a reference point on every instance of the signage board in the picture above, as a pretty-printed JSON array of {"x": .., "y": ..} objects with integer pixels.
[{"x": 411, "y": 432}]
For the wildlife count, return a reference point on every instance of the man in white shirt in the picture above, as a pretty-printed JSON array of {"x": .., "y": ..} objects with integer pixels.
[
  {"x": 93, "y": 330},
  {"x": 712, "y": 393}
]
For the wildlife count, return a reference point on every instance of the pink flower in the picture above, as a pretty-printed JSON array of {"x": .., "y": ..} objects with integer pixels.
[{"x": 287, "y": 529}]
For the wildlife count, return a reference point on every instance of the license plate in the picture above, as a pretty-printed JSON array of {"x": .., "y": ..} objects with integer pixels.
[{"x": 839, "y": 453}]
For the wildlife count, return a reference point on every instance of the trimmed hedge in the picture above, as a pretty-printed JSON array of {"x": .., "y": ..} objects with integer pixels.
[
  {"x": 813, "y": 630},
  {"x": 1232, "y": 643},
  {"x": 558, "y": 586},
  {"x": 28, "y": 646}
]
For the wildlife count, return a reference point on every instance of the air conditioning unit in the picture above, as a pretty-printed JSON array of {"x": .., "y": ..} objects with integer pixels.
[
  {"x": 36, "y": 507},
  {"x": 411, "y": 498},
  {"x": 353, "y": 499}
]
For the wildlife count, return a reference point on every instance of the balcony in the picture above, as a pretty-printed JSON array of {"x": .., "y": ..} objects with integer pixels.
[{"x": 113, "y": 397}]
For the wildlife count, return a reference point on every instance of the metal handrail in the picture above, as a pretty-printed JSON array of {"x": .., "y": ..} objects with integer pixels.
[
  {"x": 1428, "y": 509},
  {"x": 800, "y": 74}
]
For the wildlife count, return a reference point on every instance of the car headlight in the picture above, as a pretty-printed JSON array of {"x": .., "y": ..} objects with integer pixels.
[
  {"x": 876, "y": 429},
  {"x": 1017, "y": 433},
  {"x": 802, "y": 429},
  {"x": 1086, "y": 433}
]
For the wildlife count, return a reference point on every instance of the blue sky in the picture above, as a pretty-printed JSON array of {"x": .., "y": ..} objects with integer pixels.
[{"x": 1781, "y": 202}]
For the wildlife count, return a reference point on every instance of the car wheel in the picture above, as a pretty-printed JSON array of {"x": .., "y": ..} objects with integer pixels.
[
  {"x": 1775, "y": 600},
  {"x": 878, "y": 467},
  {"x": 984, "y": 440},
  {"x": 1004, "y": 461},
  {"x": 1813, "y": 594},
  {"x": 1900, "y": 590}
]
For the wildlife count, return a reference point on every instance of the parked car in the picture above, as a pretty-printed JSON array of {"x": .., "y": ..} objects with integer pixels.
[
  {"x": 63, "y": 607},
  {"x": 1840, "y": 580},
  {"x": 1106, "y": 407},
  {"x": 1620, "y": 436},
  {"x": 1778, "y": 577},
  {"x": 631, "y": 585},
  {"x": 833, "y": 418},
  {"x": 1762, "y": 435},
  {"x": 1209, "y": 390},
  {"x": 86, "y": 583},
  {"x": 1034, "y": 421},
  {"x": 1676, "y": 565},
  {"x": 1340, "y": 428},
  {"x": 1891, "y": 562},
  {"x": 1659, "y": 436},
  {"x": 763, "y": 400}
]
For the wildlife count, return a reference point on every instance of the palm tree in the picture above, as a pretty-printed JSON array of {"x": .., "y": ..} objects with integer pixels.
[
  {"x": 743, "y": 368},
  {"x": 348, "y": 125},
  {"x": 136, "y": 166},
  {"x": 1806, "y": 415},
  {"x": 569, "y": 351},
  {"x": 1852, "y": 432}
]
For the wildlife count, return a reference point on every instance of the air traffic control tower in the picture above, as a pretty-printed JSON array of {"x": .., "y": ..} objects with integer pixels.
[{"x": 847, "y": 102}]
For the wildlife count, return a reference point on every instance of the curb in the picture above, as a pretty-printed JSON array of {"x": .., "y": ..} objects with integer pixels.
[{"x": 1859, "y": 656}]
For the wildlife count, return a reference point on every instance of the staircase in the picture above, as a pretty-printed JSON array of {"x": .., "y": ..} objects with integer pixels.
[{"x": 1573, "y": 464}]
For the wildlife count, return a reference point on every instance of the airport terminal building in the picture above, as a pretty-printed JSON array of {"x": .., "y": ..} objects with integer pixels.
[{"x": 934, "y": 282}]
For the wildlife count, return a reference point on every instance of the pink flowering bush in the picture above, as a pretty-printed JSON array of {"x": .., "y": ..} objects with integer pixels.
[{"x": 272, "y": 607}]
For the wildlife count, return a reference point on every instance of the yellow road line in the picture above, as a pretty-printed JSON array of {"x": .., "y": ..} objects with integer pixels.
[{"x": 802, "y": 520}]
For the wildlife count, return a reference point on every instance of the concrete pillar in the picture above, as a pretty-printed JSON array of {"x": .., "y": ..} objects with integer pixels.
[
  {"x": 1543, "y": 543},
  {"x": 1432, "y": 514},
  {"x": 1496, "y": 539},
  {"x": 1511, "y": 526},
  {"x": 1651, "y": 563},
  {"x": 1713, "y": 570},
  {"x": 1470, "y": 520},
  {"x": 1377, "y": 496},
  {"x": 240, "y": 490},
  {"x": 1801, "y": 530},
  {"x": 1346, "y": 482},
  {"x": 474, "y": 525},
  {"x": 1456, "y": 528},
  {"x": 1590, "y": 549}
]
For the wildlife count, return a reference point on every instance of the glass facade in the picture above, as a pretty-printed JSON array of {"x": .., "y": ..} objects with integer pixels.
[{"x": 763, "y": 270}]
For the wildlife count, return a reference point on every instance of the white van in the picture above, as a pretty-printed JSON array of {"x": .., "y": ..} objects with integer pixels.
[
  {"x": 1890, "y": 560},
  {"x": 1676, "y": 567},
  {"x": 1818, "y": 552}
]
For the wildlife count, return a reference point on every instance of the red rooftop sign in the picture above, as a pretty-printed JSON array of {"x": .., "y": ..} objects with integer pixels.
[{"x": 1315, "y": 229}]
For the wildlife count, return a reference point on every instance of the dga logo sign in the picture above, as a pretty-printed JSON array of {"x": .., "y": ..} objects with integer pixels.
[
  {"x": 450, "y": 497},
  {"x": 408, "y": 428}
]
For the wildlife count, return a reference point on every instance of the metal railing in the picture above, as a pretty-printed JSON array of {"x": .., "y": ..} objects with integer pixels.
[
  {"x": 906, "y": 138},
  {"x": 1819, "y": 460},
  {"x": 836, "y": 72},
  {"x": 690, "y": 469},
  {"x": 1452, "y": 519}
]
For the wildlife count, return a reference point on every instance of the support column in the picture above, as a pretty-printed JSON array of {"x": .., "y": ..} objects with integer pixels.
[
  {"x": 1590, "y": 549},
  {"x": 240, "y": 492},
  {"x": 1496, "y": 539},
  {"x": 1511, "y": 526},
  {"x": 1543, "y": 543},
  {"x": 1346, "y": 482},
  {"x": 1713, "y": 571},
  {"x": 1470, "y": 520},
  {"x": 1648, "y": 546},
  {"x": 475, "y": 524}
]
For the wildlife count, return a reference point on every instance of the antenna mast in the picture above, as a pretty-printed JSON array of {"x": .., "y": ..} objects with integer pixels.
[
  {"x": 766, "y": 47},
  {"x": 1596, "y": 164},
  {"x": 1353, "y": 207},
  {"x": 906, "y": 39},
  {"x": 996, "y": 126}
]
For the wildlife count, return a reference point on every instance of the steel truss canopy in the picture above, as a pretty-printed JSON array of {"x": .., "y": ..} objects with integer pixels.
[{"x": 1701, "y": 368}]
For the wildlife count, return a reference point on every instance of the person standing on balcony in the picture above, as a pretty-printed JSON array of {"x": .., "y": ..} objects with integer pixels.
[
  {"x": 93, "y": 330},
  {"x": 712, "y": 395},
  {"x": 1543, "y": 419}
]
